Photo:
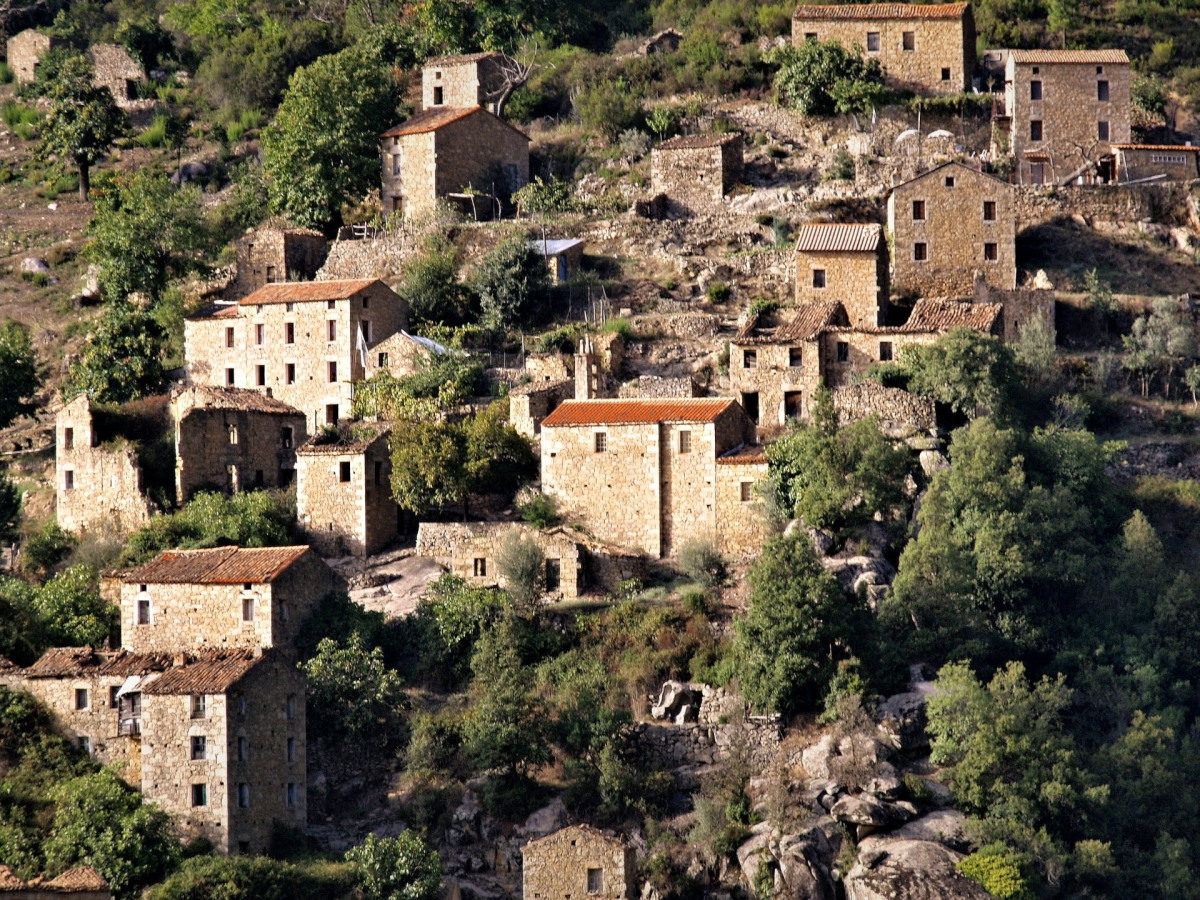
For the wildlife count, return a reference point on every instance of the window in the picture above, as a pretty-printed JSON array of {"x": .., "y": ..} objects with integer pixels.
[
  {"x": 288, "y": 307},
  {"x": 601, "y": 442},
  {"x": 199, "y": 795},
  {"x": 553, "y": 575},
  {"x": 291, "y": 706},
  {"x": 872, "y": 41},
  {"x": 750, "y": 404},
  {"x": 332, "y": 366},
  {"x": 437, "y": 95},
  {"x": 810, "y": 35},
  {"x": 68, "y": 480},
  {"x": 290, "y": 373},
  {"x": 331, "y": 329},
  {"x": 81, "y": 698},
  {"x": 990, "y": 252},
  {"x": 749, "y": 359},
  {"x": 291, "y": 749},
  {"x": 366, "y": 303},
  {"x": 818, "y": 278},
  {"x": 113, "y": 699},
  {"x": 918, "y": 210},
  {"x": 287, "y": 436},
  {"x": 989, "y": 210},
  {"x": 480, "y": 567},
  {"x": 241, "y": 704},
  {"x": 344, "y": 471},
  {"x": 272, "y": 277},
  {"x": 949, "y": 181},
  {"x": 229, "y": 336},
  {"x": 843, "y": 352},
  {"x": 793, "y": 402},
  {"x": 289, "y": 333},
  {"x": 243, "y": 847},
  {"x": 143, "y": 611},
  {"x": 909, "y": 40},
  {"x": 685, "y": 442},
  {"x": 1035, "y": 129},
  {"x": 1099, "y": 70},
  {"x": 260, "y": 334},
  {"x": 291, "y": 793},
  {"x": 795, "y": 357},
  {"x": 85, "y": 743},
  {"x": 1102, "y": 91},
  {"x": 945, "y": 74},
  {"x": 744, "y": 491},
  {"x": 243, "y": 795},
  {"x": 885, "y": 351},
  {"x": 243, "y": 749},
  {"x": 1036, "y": 69},
  {"x": 260, "y": 375},
  {"x": 383, "y": 360},
  {"x": 920, "y": 251},
  {"x": 364, "y": 328},
  {"x": 247, "y": 609},
  {"x": 1170, "y": 159},
  {"x": 378, "y": 472},
  {"x": 1035, "y": 90},
  {"x": 331, "y": 414},
  {"x": 68, "y": 438},
  {"x": 1102, "y": 131},
  {"x": 199, "y": 706},
  {"x": 595, "y": 881},
  {"x": 396, "y": 164},
  {"x": 1037, "y": 173},
  {"x": 233, "y": 434},
  {"x": 230, "y": 377},
  {"x": 199, "y": 747}
]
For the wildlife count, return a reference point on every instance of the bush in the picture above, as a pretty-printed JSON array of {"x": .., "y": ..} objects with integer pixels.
[
  {"x": 523, "y": 564},
  {"x": 405, "y": 867},
  {"x": 702, "y": 562},
  {"x": 72, "y": 611},
  {"x": 353, "y": 694},
  {"x": 6, "y": 75},
  {"x": 609, "y": 107},
  {"x": 1000, "y": 872},
  {"x": 634, "y": 143},
  {"x": 540, "y": 511},
  {"x": 430, "y": 285},
  {"x": 45, "y": 549},
  {"x": 512, "y": 285},
  {"x": 841, "y": 167},
  {"x": 718, "y": 292},
  {"x": 256, "y": 878},
  {"x": 820, "y": 78},
  {"x": 546, "y": 197}
]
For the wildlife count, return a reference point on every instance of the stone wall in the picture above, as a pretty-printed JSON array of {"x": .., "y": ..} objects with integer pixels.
[
  {"x": 1019, "y": 307},
  {"x": 471, "y": 551},
  {"x": 381, "y": 256},
  {"x": 863, "y": 350},
  {"x": 549, "y": 367},
  {"x": 742, "y": 528},
  {"x": 783, "y": 390},
  {"x": 899, "y": 413},
  {"x": 1167, "y": 163},
  {"x": 558, "y": 866},
  {"x": 482, "y": 152},
  {"x": 357, "y": 516},
  {"x": 686, "y": 326},
  {"x": 270, "y": 255},
  {"x": 398, "y": 355},
  {"x": 694, "y": 172},
  {"x": 463, "y": 80},
  {"x": 656, "y": 386},
  {"x": 528, "y": 404},
  {"x": 25, "y": 50},
  {"x": 1108, "y": 203},
  {"x": 116, "y": 70},
  {"x": 678, "y": 746},
  {"x": 859, "y": 281}
]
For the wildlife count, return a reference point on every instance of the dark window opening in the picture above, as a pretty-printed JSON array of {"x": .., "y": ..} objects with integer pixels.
[
  {"x": 872, "y": 41},
  {"x": 949, "y": 181},
  {"x": 331, "y": 414},
  {"x": 843, "y": 352},
  {"x": 750, "y": 404},
  {"x": 945, "y": 74},
  {"x": 745, "y": 491},
  {"x": 553, "y": 575},
  {"x": 990, "y": 252},
  {"x": 344, "y": 471},
  {"x": 795, "y": 357},
  {"x": 68, "y": 438},
  {"x": 1035, "y": 90},
  {"x": 1035, "y": 130},
  {"x": 260, "y": 375},
  {"x": 437, "y": 96},
  {"x": 885, "y": 351},
  {"x": 287, "y": 437},
  {"x": 909, "y": 39},
  {"x": 291, "y": 373},
  {"x": 989, "y": 210},
  {"x": 480, "y": 567},
  {"x": 920, "y": 252},
  {"x": 918, "y": 210},
  {"x": 792, "y": 404},
  {"x": 1102, "y": 131},
  {"x": 749, "y": 359},
  {"x": 818, "y": 278}
]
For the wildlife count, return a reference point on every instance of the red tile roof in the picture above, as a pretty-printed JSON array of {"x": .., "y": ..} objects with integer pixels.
[
  {"x": 824, "y": 238},
  {"x": 1049, "y": 57},
  {"x": 883, "y": 11},
  {"x": 62, "y": 662},
  {"x": 747, "y": 454},
  {"x": 943, "y": 315},
  {"x": 1159, "y": 148},
  {"x": 81, "y": 879},
  {"x": 698, "y": 141},
  {"x": 220, "y": 565},
  {"x": 205, "y": 673},
  {"x": 441, "y": 116},
  {"x": 808, "y": 321},
  {"x": 307, "y": 291},
  {"x": 637, "y": 412}
]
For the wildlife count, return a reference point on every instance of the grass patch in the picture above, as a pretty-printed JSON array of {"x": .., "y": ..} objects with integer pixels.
[
  {"x": 248, "y": 120},
  {"x": 155, "y": 134},
  {"x": 6, "y": 75}
]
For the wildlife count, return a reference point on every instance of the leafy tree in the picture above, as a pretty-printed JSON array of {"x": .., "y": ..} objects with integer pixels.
[
  {"x": 968, "y": 371},
  {"x": 430, "y": 285},
  {"x": 121, "y": 359},
  {"x": 499, "y": 459},
  {"x": 18, "y": 362},
  {"x": 609, "y": 107},
  {"x": 146, "y": 233},
  {"x": 10, "y": 508},
  {"x": 340, "y": 618},
  {"x": 1149, "y": 94},
  {"x": 352, "y": 693},
  {"x": 405, "y": 867},
  {"x": 83, "y": 121},
  {"x": 21, "y": 633},
  {"x": 322, "y": 148},
  {"x": 1100, "y": 298},
  {"x": 702, "y": 562},
  {"x": 523, "y": 564},
  {"x": 820, "y": 78},
  {"x": 512, "y": 284},
  {"x": 1191, "y": 377},
  {"x": 1159, "y": 343},
  {"x": 72, "y": 611},
  {"x": 1062, "y": 16},
  {"x": 450, "y": 379},
  {"x": 449, "y": 621},
  {"x": 788, "y": 641},
  {"x": 1035, "y": 349},
  {"x": 255, "y": 878}
]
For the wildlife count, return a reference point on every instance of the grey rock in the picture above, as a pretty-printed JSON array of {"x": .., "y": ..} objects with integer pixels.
[
  {"x": 909, "y": 870},
  {"x": 902, "y": 718},
  {"x": 547, "y": 820},
  {"x": 862, "y": 809},
  {"x": 189, "y": 171},
  {"x": 933, "y": 462},
  {"x": 34, "y": 264},
  {"x": 672, "y": 698},
  {"x": 942, "y": 825},
  {"x": 885, "y": 783},
  {"x": 816, "y": 757},
  {"x": 753, "y": 853}
]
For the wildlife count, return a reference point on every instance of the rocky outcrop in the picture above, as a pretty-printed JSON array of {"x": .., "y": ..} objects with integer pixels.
[{"x": 894, "y": 868}]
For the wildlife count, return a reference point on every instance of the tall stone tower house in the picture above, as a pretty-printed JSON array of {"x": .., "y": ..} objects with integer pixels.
[{"x": 847, "y": 263}]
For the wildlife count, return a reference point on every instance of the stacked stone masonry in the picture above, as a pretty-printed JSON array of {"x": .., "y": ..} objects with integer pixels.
[
  {"x": 651, "y": 386},
  {"x": 25, "y": 50},
  {"x": 695, "y": 172},
  {"x": 578, "y": 862},
  {"x": 474, "y": 79},
  {"x": 272, "y": 255},
  {"x": 401, "y": 355},
  {"x": 116, "y": 70},
  {"x": 844, "y": 263},
  {"x": 1164, "y": 162},
  {"x": 899, "y": 413}
]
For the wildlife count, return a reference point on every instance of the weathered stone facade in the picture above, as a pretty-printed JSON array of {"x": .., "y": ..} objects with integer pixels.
[
  {"x": 300, "y": 340},
  {"x": 529, "y": 404},
  {"x": 641, "y": 473},
  {"x": 650, "y": 386},
  {"x": 695, "y": 171},
  {"x": 1064, "y": 111},
  {"x": 343, "y": 491},
  {"x": 1020, "y": 306},
  {"x": 233, "y": 440},
  {"x": 899, "y": 413},
  {"x": 473, "y": 79},
  {"x": 846, "y": 263},
  {"x": 401, "y": 354},
  {"x": 116, "y": 70},
  {"x": 950, "y": 227},
  {"x": 273, "y": 255},
  {"x": 1165, "y": 162},
  {"x": 928, "y": 48},
  {"x": 742, "y": 526},
  {"x": 25, "y": 50},
  {"x": 447, "y": 150},
  {"x": 578, "y": 861}
]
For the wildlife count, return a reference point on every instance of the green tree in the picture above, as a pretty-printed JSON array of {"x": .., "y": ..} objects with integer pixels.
[
  {"x": 72, "y": 611},
  {"x": 18, "y": 362},
  {"x": 820, "y": 78},
  {"x": 797, "y": 625},
  {"x": 1159, "y": 343},
  {"x": 449, "y": 621},
  {"x": 970, "y": 372},
  {"x": 10, "y": 508},
  {"x": 1100, "y": 299},
  {"x": 1035, "y": 349},
  {"x": 83, "y": 121},
  {"x": 322, "y": 148},
  {"x": 255, "y": 878},
  {"x": 121, "y": 359},
  {"x": 352, "y": 693},
  {"x": 523, "y": 564},
  {"x": 512, "y": 284},
  {"x": 21, "y": 634},
  {"x": 430, "y": 285},
  {"x": 405, "y": 867}
]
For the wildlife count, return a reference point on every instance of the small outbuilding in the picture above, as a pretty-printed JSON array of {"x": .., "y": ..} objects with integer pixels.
[
  {"x": 695, "y": 171},
  {"x": 116, "y": 70},
  {"x": 564, "y": 256},
  {"x": 579, "y": 861},
  {"x": 1156, "y": 162},
  {"x": 25, "y": 50}
]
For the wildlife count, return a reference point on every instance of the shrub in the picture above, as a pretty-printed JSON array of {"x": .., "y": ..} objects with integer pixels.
[
  {"x": 523, "y": 564},
  {"x": 352, "y": 693},
  {"x": 540, "y": 510},
  {"x": 609, "y": 107},
  {"x": 702, "y": 562},
  {"x": 820, "y": 78},
  {"x": 718, "y": 292},
  {"x": 999, "y": 871},
  {"x": 634, "y": 143},
  {"x": 841, "y": 167},
  {"x": 155, "y": 134},
  {"x": 619, "y": 326},
  {"x": 6, "y": 75},
  {"x": 547, "y": 197},
  {"x": 72, "y": 612},
  {"x": 204, "y": 877},
  {"x": 45, "y": 549},
  {"x": 512, "y": 284},
  {"x": 405, "y": 867}
]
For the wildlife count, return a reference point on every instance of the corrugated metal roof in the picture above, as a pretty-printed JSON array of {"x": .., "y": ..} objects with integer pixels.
[
  {"x": 825, "y": 238},
  {"x": 61, "y": 662},
  {"x": 943, "y": 315},
  {"x": 307, "y": 291},
  {"x": 1159, "y": 148},
  {"x": 747, "y": 454},
  {"x": 636, "y": 412},
  {"x": 554, "y": 246},
  {"x": 698, "y": 141},
  {"x": 205, "y": 673},
  {"x": 1081, "y": 57},
  {"x": 808, "y": 321},
  {"x": 220, "y": 565},
  {"x": 211, "y": 396},
  {"x": 883, "y": 11}
]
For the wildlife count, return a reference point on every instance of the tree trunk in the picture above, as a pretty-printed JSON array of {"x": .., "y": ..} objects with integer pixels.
[{"x": 85, "y": 183}]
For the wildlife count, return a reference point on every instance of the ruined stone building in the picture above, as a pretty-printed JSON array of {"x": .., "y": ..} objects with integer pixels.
[
  {"x": 951, "y": 226},
  {"x": 402, "y": 354},
  {"x": 1158, "y": 162},
  {"x": 644, "y": 474},
  {"x": 1064, "y": 110},
  {"x": 592, "y": 372},
  {"x": 452, "y": 152},
  {"x": 846, "y": 263},
  {"x": 578, "y": 862},
  {"x": 695, "y": 171},
  {"x": 305, "y": 342},
  {"x": 272, "y": 255},
  {"x": 922, "y": 47},
  {"x": 25, "y": 50},
  {"x": 79, "y": 883},
  {"x": 116, "y": 70},
  {"x": 472, "y": 79},
  {"x": 343, "y": 491},
  {"x": 233, "y": 439}
]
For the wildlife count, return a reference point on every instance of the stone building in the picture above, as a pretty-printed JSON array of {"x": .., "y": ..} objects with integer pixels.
[
  {"x": 1064, "y": 110},
  {"x": 402, "y": 354},
  {"x": 592, "y": 372},
  {"x": 922, "y": 47},
  {"x": 578, "y": 861},
  {"x": 1160, "y": 162},
  {"x": 116, "y": 70},
  {"x": 643, "y": 474},
  {"x": 25, "y": 50},
  {"x": 273, "y": 255},
  {"x": 949, "y": 227},
  {"x": 448, "y": 151},
  {"x": 305, "y": 342},
  {"x": 233, "y": 439},
  {"x": 847, "y": 263},
  {"x": 564, "y": 257},
  {"x": 472, "y": 79},
  {"x": 80, "y": 883},
  {"x": 695, "y": 171},
  {"x": 102, "y": 461},
  {"x": 343, "y": 491}
]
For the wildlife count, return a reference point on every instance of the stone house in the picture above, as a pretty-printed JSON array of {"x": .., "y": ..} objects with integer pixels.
[
  {"x": 446, "y": 151},
  {"x": 471, "y": 79},
  {"x": 564, "y": 257},
  {"x": 949, "y": 227},
  {"x": 847, "y": 263},
  {"x": 578, "y": 861},
  {"x": 1161, "y": 162},
  {"x": 116, "y": 70},
  {"x": 101, "y": 461},
  {"x": 273, "y": 255},
  {"x": 1064, "y": 110},
  {"x": 643, "y": 474},
  {"x": 343, "y": 491},
  {"x": 695, "y": 171},
  {"x": 305, "y": 342},
  {"x": 402, "y": 354},
  {"x": 922, "y": 47},
  {"x": 233, "y": 439},
  {"x": 554, "y": 377},
  {"x": 25, "y": 50},
  {"x": 80, "y": 883}
]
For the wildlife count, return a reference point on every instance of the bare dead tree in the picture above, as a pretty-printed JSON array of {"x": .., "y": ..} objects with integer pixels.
[
  {"x": 1089, "y": 161},
  {"x": 514, "y": 72}
]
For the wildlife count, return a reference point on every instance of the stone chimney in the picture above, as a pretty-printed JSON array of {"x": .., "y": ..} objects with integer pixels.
[{"x": 587, "y": 370}]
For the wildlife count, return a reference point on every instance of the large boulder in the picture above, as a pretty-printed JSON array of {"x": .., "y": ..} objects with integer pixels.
[
  {"x": 945, "y": 826},
  {"x": 892, "y": 868},
  {"x": 816, "y": 758},
  {"x": 547, "y": 820},
  {"x": 677, "y": 702},
  {"x": 902, "y": 717}
]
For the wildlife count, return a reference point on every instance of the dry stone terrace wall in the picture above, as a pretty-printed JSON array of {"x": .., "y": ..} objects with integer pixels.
[
  {"x": 1036, "y": 204},
  {"x": 677, "y": 746},
  {"x": 461, "y": 547},
  {"x": 859, "y": 281},
  {"x": 558, "y": 866},
  {"x": 655, "y": 386},
  {"x": 898, "y": 412}
]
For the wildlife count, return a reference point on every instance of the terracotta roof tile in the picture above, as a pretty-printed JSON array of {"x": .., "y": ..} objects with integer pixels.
[
  {"x": 214, "y": 397},
  {"x": 698, "y": 141},
  {"x": 1050, "y": 57},
  {"x": 808, "y": 321},
  {"x": 307, "y": 291},
  {"x": 747, "y": 454},
  {"x": 219, "y": 565},
  {"x": 883, "y": 11},
  {"x": 441, "y": 116},
  {"x": 205, "y": 673},
  {"x": 943, "y": 315},
  {"x": 82, "y": 878},
  {"x": 636, "y": 412},
  {"x": 62, "y": 662},
  {"x": 1159, "y": 148},
  {"x": 823, "y": 238}
]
